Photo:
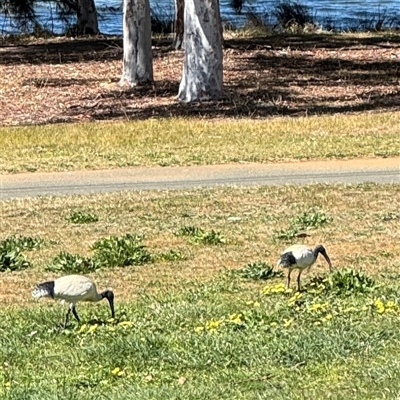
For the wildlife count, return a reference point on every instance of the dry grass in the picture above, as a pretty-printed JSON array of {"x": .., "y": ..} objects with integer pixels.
[{"x": 364, "y": 232}]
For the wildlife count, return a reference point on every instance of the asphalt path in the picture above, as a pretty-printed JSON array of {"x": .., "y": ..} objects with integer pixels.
[{"x": 385, "y": 170}]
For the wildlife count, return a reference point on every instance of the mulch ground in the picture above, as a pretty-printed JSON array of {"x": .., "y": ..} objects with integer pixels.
[{"x": 67, "y": 80}]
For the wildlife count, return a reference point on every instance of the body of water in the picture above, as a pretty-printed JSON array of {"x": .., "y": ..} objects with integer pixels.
[{"x": 337, "y": 14}]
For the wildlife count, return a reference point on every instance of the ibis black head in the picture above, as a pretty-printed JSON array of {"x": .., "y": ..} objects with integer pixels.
[
  {"x": 321, "y": 249},
  {"x": 109, "y": 295}
]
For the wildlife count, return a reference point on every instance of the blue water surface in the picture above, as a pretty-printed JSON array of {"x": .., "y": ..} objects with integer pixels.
[{"x": 338, "y": 14}]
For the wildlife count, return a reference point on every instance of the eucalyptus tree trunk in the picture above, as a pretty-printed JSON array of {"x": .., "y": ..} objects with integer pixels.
[
  {"x": 87, "y": 23},
  {"x": 178, "y": 24},
  {"x": 138, "y": 57},
  {"x": 202, "y": 70}
]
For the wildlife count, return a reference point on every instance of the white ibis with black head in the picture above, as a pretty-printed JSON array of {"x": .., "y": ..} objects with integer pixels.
[
  {"x": 300, "y": 256},
  {"x": 73, "y": 288}
]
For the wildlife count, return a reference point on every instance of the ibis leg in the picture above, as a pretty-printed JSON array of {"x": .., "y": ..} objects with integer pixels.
[
  {"x": 66, "y": 318},
  {"x": 288, "y": 278},
  {"x": 298, "y": 281},
  {"x": 75, "y": 313}
]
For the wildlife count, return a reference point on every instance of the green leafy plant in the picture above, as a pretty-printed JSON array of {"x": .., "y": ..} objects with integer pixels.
[
  {"x": 212, "y": 237},
  {"x": 307, "y": 220},
  {"x": 11, "y": 257},
  {"x": 190, "y": 231},
  {"x": 198, "y": 235},
  {"x": 285, "y": 234},
  {"x": 344, "y": 281},
  {"x": 311, "y": 219},
  {"x": 390, "y": 216},
  {"x": 24, "y": 242},
  {"x": 71, "y": 263},
  {"x": 82, "y": 217},
  {"x": 121, "y": 251},
  {"x": 171, "y": 255},
  {"x": 259, "y": 270}
]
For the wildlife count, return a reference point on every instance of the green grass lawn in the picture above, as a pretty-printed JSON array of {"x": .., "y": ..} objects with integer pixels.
[
  {"x": 193, "y": 141},
  {"x": 194, "y": 320},
  {"x": 216, "y": 340}
]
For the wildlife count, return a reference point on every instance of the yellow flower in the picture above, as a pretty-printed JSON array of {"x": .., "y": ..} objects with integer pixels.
[
  {"x": 287, "y": 322},
  {"x": 83, "y": 328},
  {"x": 294, "y": 298},
  {"x": 213, "y": 324},
  {"x": 266, "y": 290},
  {"x": 93, "y": 328},
  {"x": 327, "y": 317},
  {"x": 199, "y": 329},
  {"x": 235, "y": 318},
  {"x": 390, "y": 304},
  {"x": 7, "y": 384},
  {"x": 318, "y": 307},
  {"x": 256, "y": 304},
  {"x": 116, "y": 371},
  {"x": 380, "y": 306},
  {"x": 126, "y": 323},
  {"x": 279, "y": 288}
]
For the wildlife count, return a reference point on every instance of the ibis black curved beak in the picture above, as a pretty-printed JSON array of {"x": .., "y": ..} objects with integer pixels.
[
  {"x": 110, "y": 299},
  {"x": 109, "y": 295},
  {"x": 327, "y": 259}
]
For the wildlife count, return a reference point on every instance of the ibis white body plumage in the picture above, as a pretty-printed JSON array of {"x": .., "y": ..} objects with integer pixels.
[
  {"x": 299, "y": 256},
  {"x": 72, "y": 289}
]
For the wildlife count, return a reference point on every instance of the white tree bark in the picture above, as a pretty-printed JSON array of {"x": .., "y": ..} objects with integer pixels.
[
  {"x": 138, "y": 57},
  {"x": 87, "y": 18},
  {"x": 178, "y": 24},
  {"x": 202, "y": 75}
]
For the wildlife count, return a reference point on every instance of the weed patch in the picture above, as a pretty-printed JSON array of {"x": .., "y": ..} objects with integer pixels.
[
  {"x": 23, "y": 242},
  {"x": 311, "y": 219},
  {"x": 72, "y": 263},
  {"x": 11, "y": 248},
  {"x": 198, "y": 235},
  {"x": 82, "y": 217},
  {"x": 171, "y": 255},
  {"x": 344, "y": 281},
  {"x": 121, "y": 251},
  {"x": 259, "y": 270}
]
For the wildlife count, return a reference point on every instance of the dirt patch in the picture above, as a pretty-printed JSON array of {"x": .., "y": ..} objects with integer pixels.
[{"x": 63, "y": 80}]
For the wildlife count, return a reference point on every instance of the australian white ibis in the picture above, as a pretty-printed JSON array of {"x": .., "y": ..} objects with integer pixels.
[
  {"x": 300, "y": 256},
  {"x": 73, "y": 288}
]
